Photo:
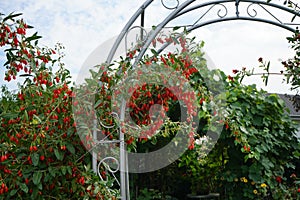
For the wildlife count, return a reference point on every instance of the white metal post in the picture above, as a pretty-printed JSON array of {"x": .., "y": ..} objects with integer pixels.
[
  {"x": 123, "y": 162},
  {"x": 94, "y": 154}
]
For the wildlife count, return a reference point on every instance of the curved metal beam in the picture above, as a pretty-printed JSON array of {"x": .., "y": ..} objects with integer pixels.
[
  {"x": 230, "y": 19},
  {"x": 125, "y": 29},
  {"x": 234, "y": 1},
  {"x": 241, "y": 18},
  {"x": 159, "y": 28},
  {"x": 181, "y": 10}
]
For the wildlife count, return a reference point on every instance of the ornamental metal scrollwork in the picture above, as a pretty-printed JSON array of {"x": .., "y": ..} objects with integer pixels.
[
  {"x": 218, "y": 13},
  {"x": 108, "y": 168},
  {"x": 113, "y": 114},
  {"x": 255, "y": 12},
  {"x": 249, "y": 11},
  {"x": 170, "y": 8},
  {"x": 220, "y": 10},
  {"x": 140, "y": 40}
]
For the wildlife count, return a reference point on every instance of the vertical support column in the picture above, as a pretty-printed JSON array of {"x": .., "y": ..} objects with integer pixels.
[
  {"x": 94, "y": 154},
  {"x": 237, "y": 4},
  {"x": 123, "y": 161},
  {"x": 142, "y": 24},
  {"x": 127, "y": 177}
]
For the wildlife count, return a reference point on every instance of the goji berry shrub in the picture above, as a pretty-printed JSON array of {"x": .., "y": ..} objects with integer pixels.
[{"x": 42, "y": 156}]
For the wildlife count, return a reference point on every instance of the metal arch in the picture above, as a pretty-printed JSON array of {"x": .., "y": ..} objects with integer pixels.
[
  {"x": 181, "y": 11},
  {"x": 177, "y": 11}
]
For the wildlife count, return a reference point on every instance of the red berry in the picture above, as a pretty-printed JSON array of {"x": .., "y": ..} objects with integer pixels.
[
  {"x": 21, "y": 31},
  {"x": 42, "y": 157},
  {"x": 278, "y": 179},
  {"x": 234, "y": 71}
]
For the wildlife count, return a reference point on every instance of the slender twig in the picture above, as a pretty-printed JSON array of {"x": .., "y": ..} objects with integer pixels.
[{"x": 268, "y": 73}]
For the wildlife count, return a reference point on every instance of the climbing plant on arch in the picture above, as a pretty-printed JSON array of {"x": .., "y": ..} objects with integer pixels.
[{"x": 224, "y": 11}]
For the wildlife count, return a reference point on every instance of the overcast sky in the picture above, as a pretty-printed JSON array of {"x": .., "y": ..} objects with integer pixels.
[{"x": 83, "y": 25}]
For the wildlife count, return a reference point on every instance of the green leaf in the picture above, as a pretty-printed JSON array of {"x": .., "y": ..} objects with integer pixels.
[
  {"x": 35, "y": 159},
  {"x": 58, "y": 154},
  {"x": 47, "y": 178},
  {"x": 69, "y": 169},
  {"x": 258, "y": 121},
  {"x": 52, "y": 171},
  {"x": 33, "y": 37},
  {"x": 154, "y": 141},
  {"x": 34, "y": 193},
  {"x": 9, "y": 115},
  {"x": 28, "y": 171},
  {"x": 176, "y": 28},
  {"x": 24, "y": 187},
  {"x": 243, "y": 129},
  {"x": 40, "y": 186},
  {"x": 37, "y": 118},
  {"x": 8, "y": 57},
  {"x": 11, "y": 16},
  {"x": 13, "y": 192},
  {"x": 26, "y": 116},
  {"x": 98, "y": 103},
  {"x": 19, "y": 156},
  {"x": 71, "y": 148},
  {"x": 154, "y": 52},
  {"x": 64, "y": 170},
  {"x": 26, "y": 75},
  {"x": 175, "y": 40},
  {"x": 37, "y": 176}
]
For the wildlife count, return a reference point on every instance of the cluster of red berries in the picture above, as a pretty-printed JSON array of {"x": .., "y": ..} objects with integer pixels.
[
  {"x": 3, "y": 189},
  {"x": 3, "y": 158},
  {"x": 33, "y": 148},
  {"x": 81, "y": 180},
  {"x": 247, "y": 148},
  {"x": 23, "y": 53}
]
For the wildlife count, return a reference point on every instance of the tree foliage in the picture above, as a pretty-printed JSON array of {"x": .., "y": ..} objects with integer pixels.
[{"x": 42, "y": 157}]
